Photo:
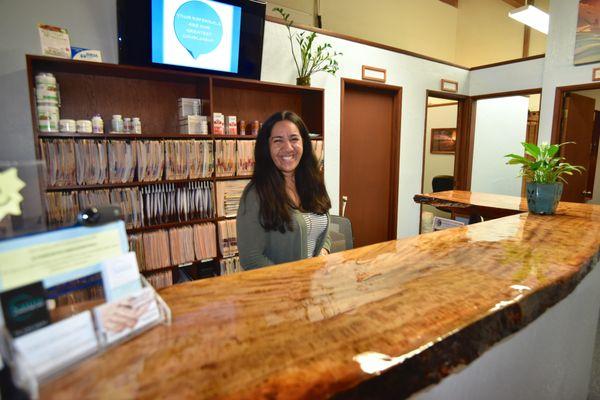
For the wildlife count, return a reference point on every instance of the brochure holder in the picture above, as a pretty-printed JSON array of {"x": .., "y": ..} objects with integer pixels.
[
  {"x": 23, "y": 372},
  {"x": 71, "y": 333}
]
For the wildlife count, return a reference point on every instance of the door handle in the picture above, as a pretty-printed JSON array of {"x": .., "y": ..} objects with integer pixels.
[{"x": 344, "y": 202}]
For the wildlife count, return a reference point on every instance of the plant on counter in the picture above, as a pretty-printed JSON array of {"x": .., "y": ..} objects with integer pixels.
[
  {"x": 310, "y": 60},
  {"x": 543, "y": 170}
]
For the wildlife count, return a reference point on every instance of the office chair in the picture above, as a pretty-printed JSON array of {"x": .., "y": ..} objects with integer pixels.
[
  {"x": 441, "y": 183},
  {"x": 340, "y": 230}
]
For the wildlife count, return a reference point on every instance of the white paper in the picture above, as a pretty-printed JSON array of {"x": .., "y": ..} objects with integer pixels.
[
  {"x": 445, "y": 223},
  {"x": 55, "y": 346},
  {"x": 121, "y": 276}
]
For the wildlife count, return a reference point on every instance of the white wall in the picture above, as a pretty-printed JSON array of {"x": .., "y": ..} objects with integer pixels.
[
  {"x": 506, "y": 78},
  {"x": 500, "y": 127},
  {"x": 91, "y": 24},
  {"x": 414, "y": 75}
]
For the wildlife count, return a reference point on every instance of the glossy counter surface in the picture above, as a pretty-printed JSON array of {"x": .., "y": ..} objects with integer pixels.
[
  {"x": 400, "y": 314},
  {"x": 495, "y": 205}
]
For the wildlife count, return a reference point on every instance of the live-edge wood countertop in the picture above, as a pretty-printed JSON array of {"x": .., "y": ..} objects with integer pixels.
[{"x": 396, "y": 315}]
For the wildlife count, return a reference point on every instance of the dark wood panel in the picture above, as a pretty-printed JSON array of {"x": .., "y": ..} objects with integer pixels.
[
  {"x": 515, "y": 60},
  {"x": 578, "y": 127},
  {"x": 250, "y": 104},
  {"x": 154, "y": 102},
  {"x": 453, "y": 3}
]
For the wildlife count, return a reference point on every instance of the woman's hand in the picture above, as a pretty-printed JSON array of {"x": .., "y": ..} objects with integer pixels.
[{"x": 324, "y": 252}]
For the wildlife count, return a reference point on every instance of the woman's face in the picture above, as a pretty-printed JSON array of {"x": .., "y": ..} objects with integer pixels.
[{"x": 285, "y": 146}]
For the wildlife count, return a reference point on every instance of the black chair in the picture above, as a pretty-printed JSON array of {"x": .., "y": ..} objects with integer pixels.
[{"x": 441, "y": 183}]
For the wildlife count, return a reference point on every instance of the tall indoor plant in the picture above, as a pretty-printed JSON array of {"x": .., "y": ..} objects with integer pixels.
[
  {"x": 543, "y": 170},
  {"x": 311, "y": 59}
]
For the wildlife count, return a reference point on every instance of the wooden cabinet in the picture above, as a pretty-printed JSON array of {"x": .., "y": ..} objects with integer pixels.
[{"x": 87, "y": 89}]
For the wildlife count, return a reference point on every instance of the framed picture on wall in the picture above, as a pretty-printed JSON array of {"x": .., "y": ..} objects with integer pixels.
[
  {"x": 587, "y": 38},
  {"x": 443, "y": 141}
]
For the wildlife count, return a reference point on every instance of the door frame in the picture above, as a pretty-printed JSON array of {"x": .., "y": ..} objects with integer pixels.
[
  {"x": 395, "y": 150},
  {"x": 462, "y": 131},
  {"x": 559, "y": 104},
  {"x": 461, "y": 176}
]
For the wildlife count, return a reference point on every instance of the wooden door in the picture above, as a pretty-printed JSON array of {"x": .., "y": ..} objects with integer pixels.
[
  {"x": 369, "y": 152},
  {"x": 578, "y": 125}
]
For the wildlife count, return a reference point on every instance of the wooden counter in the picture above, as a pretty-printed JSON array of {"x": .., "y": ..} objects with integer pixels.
[{"x": 398, "y": 315}]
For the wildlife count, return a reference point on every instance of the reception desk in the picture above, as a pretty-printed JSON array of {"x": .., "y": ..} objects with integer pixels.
[{"x": 454, "y": 313}]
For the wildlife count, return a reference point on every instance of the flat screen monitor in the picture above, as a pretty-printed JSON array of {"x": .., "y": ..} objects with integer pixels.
[{"x": 222, "y": 37}]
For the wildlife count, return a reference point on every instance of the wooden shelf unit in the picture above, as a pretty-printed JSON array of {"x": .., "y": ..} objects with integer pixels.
[{"x": 88, "y": 88}]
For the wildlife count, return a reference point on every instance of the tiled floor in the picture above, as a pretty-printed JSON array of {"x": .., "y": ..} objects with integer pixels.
[{"x": 595, "y": 382}]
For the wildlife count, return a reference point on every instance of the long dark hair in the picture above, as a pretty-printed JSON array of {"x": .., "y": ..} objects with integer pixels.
[{"x": 275, "y": 205}]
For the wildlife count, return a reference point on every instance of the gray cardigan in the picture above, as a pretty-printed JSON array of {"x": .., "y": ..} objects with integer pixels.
[{"x": 260, "y": 248}]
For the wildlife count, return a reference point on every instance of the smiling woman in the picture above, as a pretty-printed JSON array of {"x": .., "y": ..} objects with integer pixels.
[{"x": 283, "y": 214}]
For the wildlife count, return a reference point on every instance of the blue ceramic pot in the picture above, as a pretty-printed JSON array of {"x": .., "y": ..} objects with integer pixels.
[{"x": 542, "y": 198}]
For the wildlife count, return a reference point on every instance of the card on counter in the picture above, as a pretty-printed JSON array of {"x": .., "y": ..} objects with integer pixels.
[
  {"x": 117, "y": 319},
  {"x": 24, "y": 309}
]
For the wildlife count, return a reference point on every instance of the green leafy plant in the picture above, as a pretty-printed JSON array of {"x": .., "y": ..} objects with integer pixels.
[
  {"x": 310, "y": 60},
  {"x": 541, "y": 165}
]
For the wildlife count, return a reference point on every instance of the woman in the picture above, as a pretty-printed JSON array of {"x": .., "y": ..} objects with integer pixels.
[{"x": 283, "y": 214}]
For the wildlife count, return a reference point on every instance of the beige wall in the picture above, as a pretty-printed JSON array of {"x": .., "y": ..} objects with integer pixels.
[
  {"x": 301, "y": 11},
  {"x": 484, "y": 36},
  {"x": 478, "y": 32},
  {"x": 429, "y": 28},
  {"x": 537, "y": 41}
]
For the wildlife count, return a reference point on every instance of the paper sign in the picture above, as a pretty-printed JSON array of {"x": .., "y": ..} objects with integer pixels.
[
  {"x": 71, "y": 339},
  {"x": 65, "y": 254},
  {"x": 10, "y": 199},
  {"x": 54, "y": 41}
]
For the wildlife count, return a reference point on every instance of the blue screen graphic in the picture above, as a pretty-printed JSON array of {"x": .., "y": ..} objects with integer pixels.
[{"x": 198, "y": 34}]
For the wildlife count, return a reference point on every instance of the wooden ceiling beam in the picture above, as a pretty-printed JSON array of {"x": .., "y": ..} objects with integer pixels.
[
  {"x": 515, "y": 3},
  {"x": 453, "y": 3}
]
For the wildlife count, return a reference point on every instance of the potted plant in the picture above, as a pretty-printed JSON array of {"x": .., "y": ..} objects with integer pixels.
[
  {"x": 310, "y": 60},
  {"x": 543, "y": 170}
]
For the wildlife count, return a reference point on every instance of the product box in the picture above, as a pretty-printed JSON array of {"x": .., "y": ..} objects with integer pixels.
[
  {"x": 79, "y": 53},
  {"x": 189, "y": 106},
  {"x": 231, "y": 125},
  {"x": 194, "y": 124},
  {"x": 218, "y": 121}
]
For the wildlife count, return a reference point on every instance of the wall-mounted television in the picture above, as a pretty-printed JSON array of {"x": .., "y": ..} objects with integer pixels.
[{"x": 223, "y": 37}]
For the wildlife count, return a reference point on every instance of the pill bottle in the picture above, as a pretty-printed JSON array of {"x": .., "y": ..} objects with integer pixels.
[
  {"x": 97, "y": 124},
  {"x": 136, "y": 125},
  {"x": 117, "y": 124}
]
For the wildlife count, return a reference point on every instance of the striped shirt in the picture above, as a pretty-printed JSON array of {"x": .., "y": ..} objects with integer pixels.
[{"x": 315, "y": 226}]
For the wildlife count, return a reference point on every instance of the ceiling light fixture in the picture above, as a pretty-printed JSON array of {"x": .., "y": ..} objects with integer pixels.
[{"x": 531, "y": 16}]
